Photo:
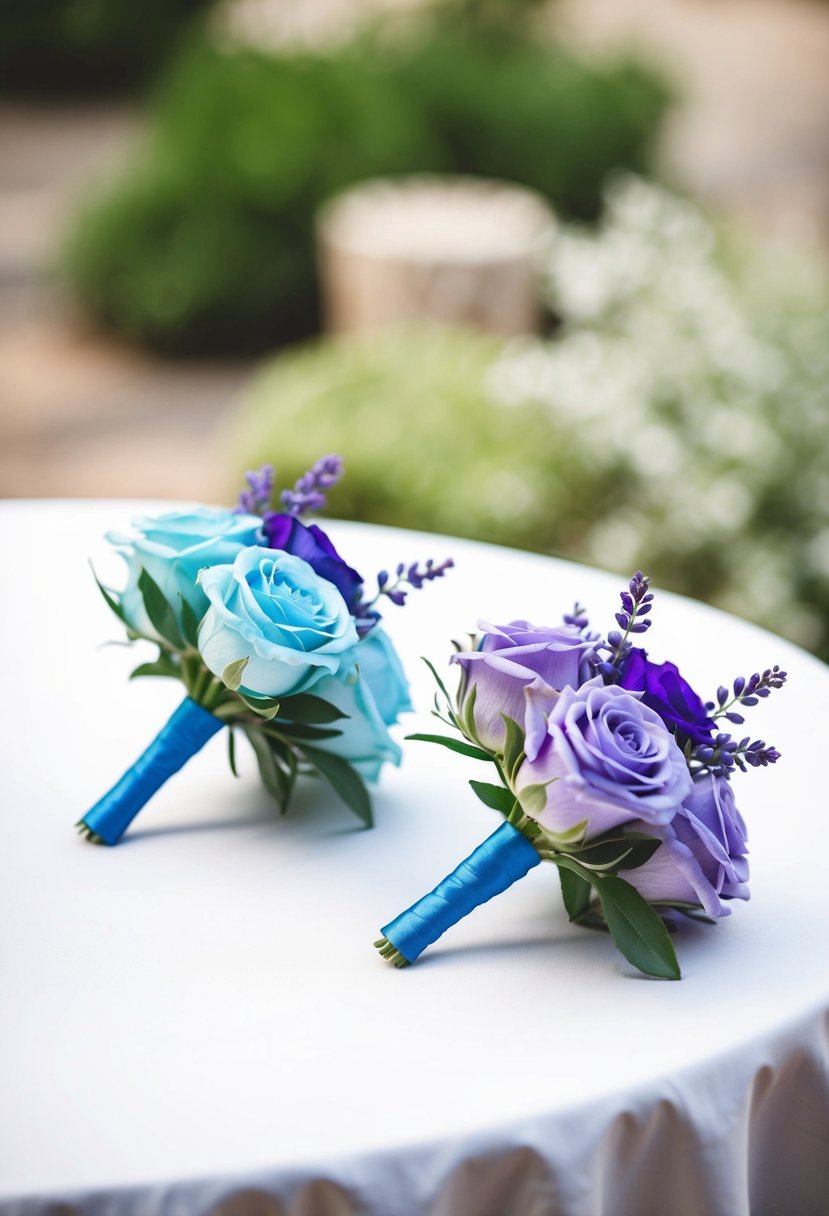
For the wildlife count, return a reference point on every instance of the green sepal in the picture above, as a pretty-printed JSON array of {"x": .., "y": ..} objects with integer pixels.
[
  {"x": 343, "y": 779},
  {"x": 307, "y": 708},
  {"x": 159, "y": 610},
  {"x": 533, "y": 798},
  {"x": 189, "y": 624},
  {"x": 496, "y": 797},
  {"x": 162, "y": 666},
  {"x": 468, "y": 723},
  {"x": 575, "y": 891},
  {"x": 232, "y": 675},
  {"x": 455, "y": 745},
  {"x": 637, "y": 930},
  {"x": 513, "y": 747}
]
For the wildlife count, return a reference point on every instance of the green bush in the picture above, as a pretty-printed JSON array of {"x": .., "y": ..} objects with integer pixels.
[
  {"x": 678, "y": 422},
  {"x": 425, "y": 444},
  {"x": 84, "y": 47},
  {"x": 207, "y": 243}
]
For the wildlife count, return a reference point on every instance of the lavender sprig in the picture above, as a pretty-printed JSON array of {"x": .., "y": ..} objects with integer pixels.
[
  {"x": 577, "y": 617},
  {"x": 636, "y": 601},
  {"x": 746, "y": 692},
  {"x": 256, "y": 499},
  {"x": 413, "y": 576},
  {"x": 308, "y": 492},
  {"x": 723, "y": 754}
]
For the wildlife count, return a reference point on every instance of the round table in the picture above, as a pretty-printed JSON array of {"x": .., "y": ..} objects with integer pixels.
[{"x": 196, "y": 1022}]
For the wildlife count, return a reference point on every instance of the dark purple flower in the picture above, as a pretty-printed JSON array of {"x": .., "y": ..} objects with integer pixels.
[
  {"x": 313, "y": 546},
  {"x": 665, "y": 690}
]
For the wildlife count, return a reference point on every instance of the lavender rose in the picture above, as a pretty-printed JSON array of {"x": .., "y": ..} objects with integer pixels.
[
  {"x": 597, "y": 756},
  {"x": 511, "y": 658},
  {"x": 666, "y": 691},
  {"x": 702, "y": 859}
]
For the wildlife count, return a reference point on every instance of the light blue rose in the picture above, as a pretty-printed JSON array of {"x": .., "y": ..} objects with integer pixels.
[
  {"x": 382, "y": 671},
  {"x": 364, "y": 740},
  {"x": 173, "y": 548},
  {"x": 270, "y": 608}
]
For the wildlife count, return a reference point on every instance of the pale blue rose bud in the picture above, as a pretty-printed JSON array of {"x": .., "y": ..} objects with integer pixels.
[
  {"x": 364, "y": 740},
  {"x": 173, "y": 548},
  {"x": 382, "y": 671},
  {"x": 270, "y": 608}
]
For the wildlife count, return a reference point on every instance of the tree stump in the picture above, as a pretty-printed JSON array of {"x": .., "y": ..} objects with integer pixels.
[{"x": 463, "y": 251}]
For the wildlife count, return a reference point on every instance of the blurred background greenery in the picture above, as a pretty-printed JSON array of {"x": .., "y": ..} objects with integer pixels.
[{"x": 674, "y": 414}]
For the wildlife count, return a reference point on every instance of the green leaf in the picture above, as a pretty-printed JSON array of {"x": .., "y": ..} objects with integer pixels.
[
  {"x": 298, "y": 730},
  {"x": 113, "y": 603},
  {"x": 274, "y": 779},
  {"x": 231, "y": 751},
  {"x": 162, "y": 666},
  {"x": 438, "y": 680},
  {"x": 455, "y": 745},
  {"x": 232, "y": 675},
  {"x": 159, "y": 610},
  {"x": 265, "y": 707},
  {"x": 513, "y": 746},
  {"x": 636, "y": 929},
  {"x": 189, "y": 624},
  {"x": 494, "y": 796},
  {"x": 571, "y": 840},
  {"x": 343, "y": 779},
  {"x": 575, "y": 891},
  {"x": 305, "y": 707}
]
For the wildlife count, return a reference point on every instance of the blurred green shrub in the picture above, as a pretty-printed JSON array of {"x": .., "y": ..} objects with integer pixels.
[
  {"x": 86, "y": 47},
  {"x": 207, "y": 243},
  {"x": 400, "y": 409},
  {"x": 678, "y": 422}
]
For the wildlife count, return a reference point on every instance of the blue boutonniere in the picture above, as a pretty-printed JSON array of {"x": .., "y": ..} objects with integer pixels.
[{"x": 269, "y": 630}]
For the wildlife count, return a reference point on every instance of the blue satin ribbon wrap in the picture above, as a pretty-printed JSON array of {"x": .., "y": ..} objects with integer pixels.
[
  {"x": 495, "y": 865},
  {"x": 184, "y": 734}
]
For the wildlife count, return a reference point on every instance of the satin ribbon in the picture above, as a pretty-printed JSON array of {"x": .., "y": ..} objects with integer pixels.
[
  {"x": 495, "y": 865},
  {"x": 181, "y": 737}
]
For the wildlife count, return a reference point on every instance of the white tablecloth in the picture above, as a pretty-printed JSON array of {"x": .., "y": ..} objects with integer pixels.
[{"x": 196, "y": 1021}]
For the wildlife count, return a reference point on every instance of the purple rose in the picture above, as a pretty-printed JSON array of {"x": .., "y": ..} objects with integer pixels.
[
  {"x": 702, "y": 860},
  {"x": 509, "y": 659},
  {"x": 313, "y": 546},
  {"x": 596, "y": 755},
  {"x": 665, "y": 690}
]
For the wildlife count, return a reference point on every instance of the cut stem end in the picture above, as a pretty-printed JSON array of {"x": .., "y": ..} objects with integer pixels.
[{"x": 390, "y": 952}]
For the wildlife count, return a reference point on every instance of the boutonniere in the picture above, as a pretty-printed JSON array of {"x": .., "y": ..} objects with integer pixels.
[
  {"x": 270, "y": 631},
  {"x": 607, "y": 764}
]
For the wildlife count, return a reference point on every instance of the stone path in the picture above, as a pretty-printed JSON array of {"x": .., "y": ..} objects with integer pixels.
[{"x": 82, "y": 415}]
